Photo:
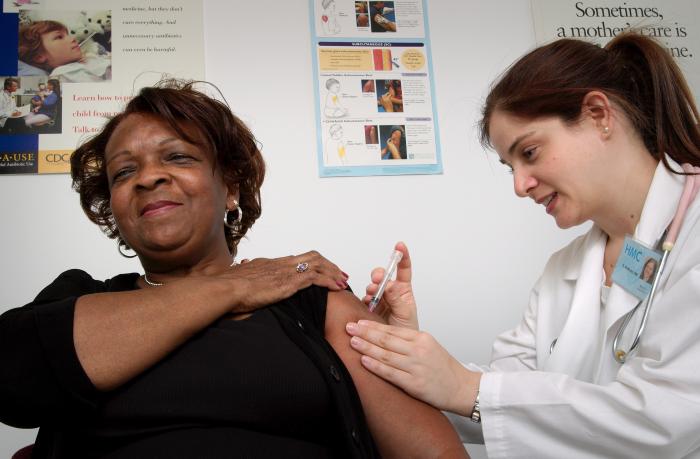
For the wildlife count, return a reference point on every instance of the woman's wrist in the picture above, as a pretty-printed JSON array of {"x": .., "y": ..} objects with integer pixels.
[
  {"x": 232, "y": 291},
  {"x": 465, "y": 399}
]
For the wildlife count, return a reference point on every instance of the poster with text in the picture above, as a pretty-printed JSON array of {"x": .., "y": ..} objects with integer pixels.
[
  {"x": 67, "y": 66},
  {"x": 673, "y": 23},
  {"x": 375, "y": 103}
]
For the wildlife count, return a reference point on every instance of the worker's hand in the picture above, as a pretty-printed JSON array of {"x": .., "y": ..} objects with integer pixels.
[
  {"x": 385, "y": 101},
  {"x": 417, "y": 363},
  {"x": 398, "y": 305}
]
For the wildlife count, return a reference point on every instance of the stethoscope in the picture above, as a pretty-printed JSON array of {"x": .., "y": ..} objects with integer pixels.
[{"x": 692, "y": 185}]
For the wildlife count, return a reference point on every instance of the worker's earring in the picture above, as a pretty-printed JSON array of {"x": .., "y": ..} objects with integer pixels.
[
  {"x": 121, "y": 243},
  {"x": 606, "y": 130},
  {"x": 236, "y": 224}
]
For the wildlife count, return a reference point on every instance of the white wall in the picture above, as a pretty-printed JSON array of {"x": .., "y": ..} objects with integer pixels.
[{"x": 476, "y": 248}]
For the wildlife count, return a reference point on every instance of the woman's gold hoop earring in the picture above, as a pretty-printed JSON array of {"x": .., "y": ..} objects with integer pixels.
[
  {"x": 120, "y": 244},
  {"x": 239, "y": 217}
]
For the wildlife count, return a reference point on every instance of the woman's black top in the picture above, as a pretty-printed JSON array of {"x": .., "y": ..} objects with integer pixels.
[{"x": 263, "y": 387}]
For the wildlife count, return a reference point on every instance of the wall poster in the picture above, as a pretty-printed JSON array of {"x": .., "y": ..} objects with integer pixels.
[
  {"x": 65, "y": 69},
  {"x": 673, "y": 23},
  {"x": 375, "y": 99}
]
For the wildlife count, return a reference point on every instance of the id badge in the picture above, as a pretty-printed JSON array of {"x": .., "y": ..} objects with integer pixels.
[{"x": 636, "y": 268}]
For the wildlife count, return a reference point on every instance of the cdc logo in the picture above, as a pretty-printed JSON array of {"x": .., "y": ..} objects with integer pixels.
[{"x": 57, "y": 157}]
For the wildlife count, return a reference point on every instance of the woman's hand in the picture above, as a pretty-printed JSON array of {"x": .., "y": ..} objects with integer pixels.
[
  {"x": 398, "y": 305},
  {"x": 263, "y": 281},
  {"x": 417, "y": 363},
  {"x": 385, "y": 101}
]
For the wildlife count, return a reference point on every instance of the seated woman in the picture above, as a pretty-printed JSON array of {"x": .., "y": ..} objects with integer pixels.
[
  {"x": 45, "y": 110},
  {"x": 184, "y": 361},
  {"x": 46, "y": 48}
]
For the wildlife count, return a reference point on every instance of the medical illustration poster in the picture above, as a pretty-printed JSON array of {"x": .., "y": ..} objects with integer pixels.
[
  {"x": 673, "y": 23},
  {"x": 374, "y": 88},
  {"x": 66, "y": 69}
]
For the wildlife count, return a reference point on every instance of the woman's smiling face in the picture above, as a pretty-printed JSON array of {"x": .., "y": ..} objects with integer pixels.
[
  {"x": 556, "y": 164},
  {"x": 167, "y": 195}
]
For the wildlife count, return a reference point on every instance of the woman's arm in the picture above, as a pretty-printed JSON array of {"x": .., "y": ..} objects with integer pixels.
[
  {"x": 72, "y": 340},
  {"x": 119, "y": 335},
  {"x": 51, "y": 99},
  {"x": 401, "y": 425},
  {"x": 384, "y": 23},
  {"x": 59, "y": 351},
  {"x": 395, "y": 153}
]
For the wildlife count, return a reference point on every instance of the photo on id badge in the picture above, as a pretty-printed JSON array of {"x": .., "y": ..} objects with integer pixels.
[{"x": 636, "y": 268}]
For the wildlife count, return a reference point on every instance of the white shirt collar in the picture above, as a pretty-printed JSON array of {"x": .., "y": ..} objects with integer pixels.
[
  {"x": 661, "y": 203},
  {"x": 659, "y": 207}
]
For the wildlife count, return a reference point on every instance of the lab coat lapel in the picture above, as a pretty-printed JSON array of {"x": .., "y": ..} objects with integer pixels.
[
  {"x": 659, "y": 207},
  {"x": 576, "y": 352},
  {"x": 619, "y": 303}
]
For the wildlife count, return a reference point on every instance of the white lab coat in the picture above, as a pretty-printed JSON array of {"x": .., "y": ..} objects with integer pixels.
[
  {"x": 579, "y": 402},
  {"x": 7, "y": 106}
]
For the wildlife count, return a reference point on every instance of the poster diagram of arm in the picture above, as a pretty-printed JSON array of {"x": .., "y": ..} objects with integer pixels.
[
  {"x": 329, "y": 18},
  {"x": 334, "y": 107},
  {"x": 335, "y": 145}
]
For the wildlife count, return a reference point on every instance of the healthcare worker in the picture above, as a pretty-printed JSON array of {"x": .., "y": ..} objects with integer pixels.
[{"x": 593, "y": 134}]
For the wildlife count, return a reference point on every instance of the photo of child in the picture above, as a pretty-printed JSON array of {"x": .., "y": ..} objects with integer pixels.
[
  {"x": 46, "y": 109},
  {"x": 48, "y": 48},
  {"x": 30, "y": 105}
]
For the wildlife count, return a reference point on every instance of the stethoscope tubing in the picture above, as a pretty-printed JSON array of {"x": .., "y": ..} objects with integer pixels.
[
  {"x": 690, "y": 190},
  {"x": 619, "y": 354},
  {"x": 668, "y": 240}
]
